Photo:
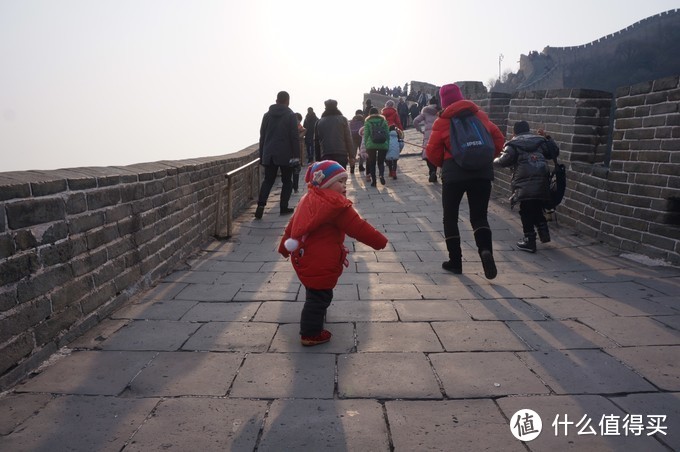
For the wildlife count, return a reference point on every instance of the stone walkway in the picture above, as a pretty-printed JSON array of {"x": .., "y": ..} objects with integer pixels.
[{"x": 210, "y": 360}]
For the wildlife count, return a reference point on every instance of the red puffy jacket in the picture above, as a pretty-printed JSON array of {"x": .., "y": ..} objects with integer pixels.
[
  {"x": 320, "y": 222},
  {"x": 392, "y": 117}
]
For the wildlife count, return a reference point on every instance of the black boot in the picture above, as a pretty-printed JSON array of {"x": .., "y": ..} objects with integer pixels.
[
  {"x": 485, "y": 248},
  {"x": 259, "y": 211},
  {"x": 543, "y": 232},
  {"x": 528, "y": 243},
  {"x": 488, "y": 264},
  {"x": 455, "y": 262}
]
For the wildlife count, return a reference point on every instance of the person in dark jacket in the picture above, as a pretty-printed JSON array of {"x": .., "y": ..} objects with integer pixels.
[
  {"x": 457, "y": 181},
  {"x": 332, "y": 138},
  {"x": 402, "y": 110},
  {"x": 310, "y": 125},
  {"x": 279, "y": 143},
  {"x": 526, "y": 154},
  {"x": 355, "y": 124}
]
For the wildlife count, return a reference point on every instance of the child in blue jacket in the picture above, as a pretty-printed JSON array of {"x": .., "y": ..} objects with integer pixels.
[{"x": 396, "y": 145}]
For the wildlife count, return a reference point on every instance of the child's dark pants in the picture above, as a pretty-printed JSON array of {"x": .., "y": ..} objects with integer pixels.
[{"x": 314, "y": 311}]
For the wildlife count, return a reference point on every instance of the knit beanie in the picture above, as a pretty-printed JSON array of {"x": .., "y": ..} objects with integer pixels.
[
  {"x": 450, "y": 94},
  {"x": 322, "y": 174},
  {"x": 520, "y": 127},
  {"x": 389, "y": 104}
]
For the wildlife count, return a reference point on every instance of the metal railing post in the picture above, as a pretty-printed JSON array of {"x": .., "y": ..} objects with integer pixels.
[{"x": 230, "y": 197}]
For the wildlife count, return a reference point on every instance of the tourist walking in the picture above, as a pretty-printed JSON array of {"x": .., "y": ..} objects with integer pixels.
[
  {"x": 310, "y": 125},
  {"x": 402, "y": 111},
  {"x": 355, "y": 125},
  {"x": 457, "y": 181},
  {"x": 423, "y": 124},
  {"x": 279, "y": 143},
  {"x": 391, "y": 115},
  {"x": 376, "y": 139},
  {"x": 394, "y": 149},
  {"x": 297, "y": 162},
  {"x": 332, "y": 138},
  {"x": 314, "y": 240},
  {"x": 527, "y": 154}
]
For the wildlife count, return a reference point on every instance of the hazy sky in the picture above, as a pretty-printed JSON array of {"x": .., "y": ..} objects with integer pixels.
[{"x": 116, "y": 82}]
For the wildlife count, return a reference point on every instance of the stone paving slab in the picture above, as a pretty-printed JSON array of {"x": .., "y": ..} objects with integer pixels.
[
  {"x": 221, "y": 312},
  {"x": 89, "y": 372},
  {"x": 473, "y": 425},
  {"x": 583, "y": 371},
  {"x": 81, "y": 423},
  {"x": 204, "y": 424},
  {"x": 210, "y": 358},
  {"x": 386, "y": 376},
  {"x": 174, "y": 374},
  {"x": 465, "y": 336},
  {"x": 653, "y": 363},
  {"x": 159, "y": 335},
  {"x": 490, "y": 374},
  {"x": 231, "y": 337},
  {"x": 286, "y": 375},
  {"x": 630, "y": 331},
  {"x": 155, "y": 310},
  {"x": 561, "y": 335},
  {"x": 342, "y": 425}
]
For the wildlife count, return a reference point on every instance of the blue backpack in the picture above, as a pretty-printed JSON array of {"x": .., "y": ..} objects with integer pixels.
[{"x": 472, "y": 147}]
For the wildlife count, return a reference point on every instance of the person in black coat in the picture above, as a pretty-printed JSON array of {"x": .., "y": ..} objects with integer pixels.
[
  {"x": 279, "y": 143},
  {"x": 310, "y": 124},
  {"x": 526, "y": 153}
]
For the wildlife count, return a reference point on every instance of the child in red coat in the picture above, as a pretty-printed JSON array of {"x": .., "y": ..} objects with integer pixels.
[{"x": 314, "y": 239}]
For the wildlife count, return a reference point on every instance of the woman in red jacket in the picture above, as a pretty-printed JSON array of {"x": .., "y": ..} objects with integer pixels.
[
  {"x": 457, "y": 181},
  {"x": 391, "y": 115},
  {"x": 314, "y": 240}
]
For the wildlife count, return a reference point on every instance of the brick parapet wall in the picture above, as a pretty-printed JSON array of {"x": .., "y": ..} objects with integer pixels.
[
  {"x": 633, "y": 203},
  {"x": 76, "y": 244}
]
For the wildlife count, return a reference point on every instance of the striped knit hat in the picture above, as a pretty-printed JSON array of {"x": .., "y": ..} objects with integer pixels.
[{"x": 322, "y": 174}]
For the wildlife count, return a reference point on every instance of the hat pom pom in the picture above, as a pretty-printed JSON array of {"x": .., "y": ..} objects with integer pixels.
[{"x": 291, "y": 244}]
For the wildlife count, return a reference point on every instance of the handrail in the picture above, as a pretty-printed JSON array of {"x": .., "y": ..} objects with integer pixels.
[{"x": 230, "y": 197}]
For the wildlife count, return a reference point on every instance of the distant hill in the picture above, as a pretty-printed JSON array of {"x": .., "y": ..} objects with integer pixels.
[{"x": 646, "y": 50}]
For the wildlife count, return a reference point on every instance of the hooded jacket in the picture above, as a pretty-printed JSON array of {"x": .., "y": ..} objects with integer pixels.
[
  {"x": 320, "y": 222},
  {"x": 424, "y": 121},
  {"x": 526, "y": 153},
  {"x": 371, "y": 122},
  {"x": 279, "y": 138},
  {"x": 392, "y": 117},
  {"x": 332, "y": 136},
  {"x": 439, "y": 145},
  {"x": 310, "y": 124},
  {"x": 356, "y": 123},
  {"x": 396, "y": 144}
]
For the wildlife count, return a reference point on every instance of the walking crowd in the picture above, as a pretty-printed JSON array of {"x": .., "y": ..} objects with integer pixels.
[{"x": 459, "y": 142}]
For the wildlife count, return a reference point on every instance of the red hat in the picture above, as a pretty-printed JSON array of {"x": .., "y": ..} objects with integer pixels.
[
  {"x": 322, "y": 174},
  {"x": 450, "y": 94}
]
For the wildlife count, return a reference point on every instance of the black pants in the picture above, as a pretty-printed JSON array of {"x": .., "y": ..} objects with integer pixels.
[
  {"x": 314, "y": 311},
  {"x": 431, "y": 168},
  {"x": 375, "y": 155},
  {"x": 270, "y": 172},
  {"x": 478, "y": 192},
  {"x": 531, "y": 214}
]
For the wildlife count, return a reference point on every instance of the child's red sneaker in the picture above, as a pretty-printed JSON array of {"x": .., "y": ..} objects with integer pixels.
[{"x": 321, "y": 338}]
